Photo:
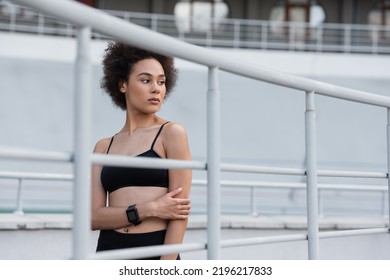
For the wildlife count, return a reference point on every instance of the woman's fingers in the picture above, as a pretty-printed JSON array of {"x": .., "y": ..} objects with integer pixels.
[
  {"x": 175, "y": 192},
  {"x": 179, "y": 201}
]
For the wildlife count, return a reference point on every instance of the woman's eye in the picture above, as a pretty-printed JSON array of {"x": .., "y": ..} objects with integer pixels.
[
  {"x": 145, "y": 81},
  {"x": 161, "y": 82}
]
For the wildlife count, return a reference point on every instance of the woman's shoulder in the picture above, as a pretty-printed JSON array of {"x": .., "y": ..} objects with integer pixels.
[
  {"x": 174, "y": 129},
  {"x": 174, "y": 134},
  {"x": 102, "y": 145},
  {"x": 175, "y": 141}
]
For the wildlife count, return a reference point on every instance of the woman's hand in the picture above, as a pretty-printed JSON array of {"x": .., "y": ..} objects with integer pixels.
[{"x": 172, "y": 208}]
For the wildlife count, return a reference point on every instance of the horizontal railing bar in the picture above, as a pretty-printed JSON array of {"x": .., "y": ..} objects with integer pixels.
[
  {"x": 261, "y": 169},
  {"x": 354, "y": 232},
  {"x": 120, "y": 160},
  {"x": 284, "y": 185},
  {"x": 226, "y": 183},
  {"x": 168, "y": 249},
  {"x": 352, "y": 187},
  {"x": 36, "y": 176},
  {"x": 360, "y": 174},
  {"x": 299, "y": 171},
  {"x": 25, "y": 154},
  {"x": 298, "y": 237},
  {"x": 117, "y": 160},
  {"x": 262, "y": 240},
  {"x": 129, "y": 33},
  {"x": 137, "y": 253}
]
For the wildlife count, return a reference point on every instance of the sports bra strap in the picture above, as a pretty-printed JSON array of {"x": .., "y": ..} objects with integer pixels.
[
  {"x": 154, "y": 141},
  {"x": 158, "y": 133},
  {"x": 109, "y": 146}
]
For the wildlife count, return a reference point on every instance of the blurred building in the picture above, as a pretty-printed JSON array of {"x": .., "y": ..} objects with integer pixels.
[
  {"x": 326, "y": 25},
  {"x": 343, "y": 11}
]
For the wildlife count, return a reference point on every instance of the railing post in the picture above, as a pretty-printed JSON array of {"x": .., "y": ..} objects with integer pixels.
[
  {"x": 383, "y": 204},
  {"x": 69, "y": 30},
  {"x": 311, "y": 177},
  {"x": 19, "y": 200},
  {"x": 41, "y": 24},
  {"x": 153, "y": 25},
  {"x": 12, "y": 19},
  {"x": 236, "y": 34},
  {"x": 291, "y": 35},
  {"x": 319, "y": 38},
  {"x": 209, "y": 34},
  {"x": 253, "y": 202},
  {"x": 388, "y": 161},
  {"x": 375, "y": 39},
  {"x": 213, "y": 166},
  {"x": 347, "y": 38},
  {"x": 264, "y": 35},
  {"x": 81, "y": 191},
  {"x": 320, "y": 204}
]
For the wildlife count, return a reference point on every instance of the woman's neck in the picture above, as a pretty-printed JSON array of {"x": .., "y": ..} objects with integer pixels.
[{"x": 135, "y": 122}]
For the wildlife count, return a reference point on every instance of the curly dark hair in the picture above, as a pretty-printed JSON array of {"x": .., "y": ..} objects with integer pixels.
[{"x": 118, "y": 62}]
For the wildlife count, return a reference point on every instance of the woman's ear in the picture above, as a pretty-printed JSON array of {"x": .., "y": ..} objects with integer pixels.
[{"x": 122, "y": 86}]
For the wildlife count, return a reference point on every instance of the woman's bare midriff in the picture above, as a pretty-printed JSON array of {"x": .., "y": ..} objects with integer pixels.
[{"x": 126, "y": 196}]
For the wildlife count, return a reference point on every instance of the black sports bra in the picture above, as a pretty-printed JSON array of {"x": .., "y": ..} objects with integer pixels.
[{"x": 116, "y": 177}]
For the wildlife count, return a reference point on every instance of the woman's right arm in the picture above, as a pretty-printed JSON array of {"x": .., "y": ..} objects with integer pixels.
[{"x": 103, "y": 217}]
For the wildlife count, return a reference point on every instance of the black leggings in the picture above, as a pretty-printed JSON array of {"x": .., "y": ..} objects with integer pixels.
[{"x": 111, "y": 240}]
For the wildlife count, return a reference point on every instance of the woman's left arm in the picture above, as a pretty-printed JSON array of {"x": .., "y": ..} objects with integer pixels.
[{"x": 177, "y": 147}]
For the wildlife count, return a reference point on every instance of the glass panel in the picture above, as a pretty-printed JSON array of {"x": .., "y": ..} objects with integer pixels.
[
  {"x": 317, "y": 14},
  {"x": 297, "y": 14},
  {"x": 198, "y": 17},
  {"x": 375, "y": 17}
]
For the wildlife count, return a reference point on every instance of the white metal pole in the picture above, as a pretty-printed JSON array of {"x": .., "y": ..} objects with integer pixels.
[
  {"x": 264, "y": 35},
  {"x": 19, "y": 201},
  {"x": 213, "y": 166},
  {"x": 320, "y": 204},
  {"x": 236, "y": 34},
  {"x": 383, "y": 207},
  {"x": 319, "y": 38},
  {"x": 347, "y": 38},
  {"x": 253, "y": 201},
  {"x": 311, "y": 177},
  {"x": 81, "y": 192},
  {"x": 388, "y": 161}
]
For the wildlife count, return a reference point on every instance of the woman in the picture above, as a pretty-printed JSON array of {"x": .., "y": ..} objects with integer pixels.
[{"x": 145, "y": 206}]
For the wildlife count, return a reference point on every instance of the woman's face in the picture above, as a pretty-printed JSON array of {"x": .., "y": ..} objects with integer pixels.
[{"x": 145, "y": 89}]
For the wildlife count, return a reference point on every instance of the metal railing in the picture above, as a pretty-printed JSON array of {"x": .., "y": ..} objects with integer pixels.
[
  {"x": 201, "y": 184},
  {"x": 21, "y": 177},
  {"x": 230, "y": 33},
  {"x": 86, "y": 18}
]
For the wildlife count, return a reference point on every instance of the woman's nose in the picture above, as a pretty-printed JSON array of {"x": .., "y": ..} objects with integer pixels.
[{"x": 156, "y": 87}]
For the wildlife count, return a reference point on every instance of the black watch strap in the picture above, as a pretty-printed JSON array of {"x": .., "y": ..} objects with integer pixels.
[{"x": 132, "y": 215}]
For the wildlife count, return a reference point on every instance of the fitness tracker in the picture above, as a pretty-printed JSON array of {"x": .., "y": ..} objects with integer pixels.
[{"x": 132, "y": 215}]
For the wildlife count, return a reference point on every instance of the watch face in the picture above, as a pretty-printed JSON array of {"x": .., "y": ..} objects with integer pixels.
[{"x": 131, "y": 215}]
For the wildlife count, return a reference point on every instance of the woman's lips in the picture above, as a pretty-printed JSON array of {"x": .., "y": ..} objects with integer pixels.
[{"x": 154, "y": 101}]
